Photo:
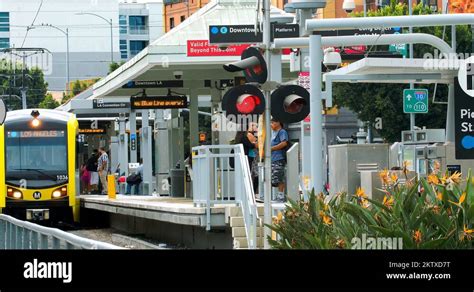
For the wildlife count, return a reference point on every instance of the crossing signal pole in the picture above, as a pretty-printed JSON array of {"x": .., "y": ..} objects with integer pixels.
[{"x": 262, "y": 95}]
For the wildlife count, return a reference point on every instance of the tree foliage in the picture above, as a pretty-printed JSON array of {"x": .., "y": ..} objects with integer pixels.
[
  {"x": 78, "y": 86},
  {"x": 49, "y": 102},
  {"x": 114, "y": 66},
  {"x": 371, "y": 101}
]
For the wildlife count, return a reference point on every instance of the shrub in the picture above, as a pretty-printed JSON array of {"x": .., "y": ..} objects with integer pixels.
[{"x": 428, "y": 213}]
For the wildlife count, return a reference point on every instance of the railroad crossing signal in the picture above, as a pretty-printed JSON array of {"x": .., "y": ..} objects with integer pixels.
[
  {"x": 290, "y": 103},
  {"x": 415, "y": 101}
]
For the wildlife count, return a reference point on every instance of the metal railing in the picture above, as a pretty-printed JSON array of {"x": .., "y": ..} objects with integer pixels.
[
  {"x": 18, "y": 234},
  {"x": 222, "y": 176}
]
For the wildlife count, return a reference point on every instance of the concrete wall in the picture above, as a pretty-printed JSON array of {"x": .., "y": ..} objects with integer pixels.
[{"x": 189, "y": 236}]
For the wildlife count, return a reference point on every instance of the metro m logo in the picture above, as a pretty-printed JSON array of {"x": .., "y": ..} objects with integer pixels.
[{"x": 470, "y": 75}]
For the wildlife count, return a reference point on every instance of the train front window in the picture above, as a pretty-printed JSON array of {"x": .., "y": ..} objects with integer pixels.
[{"x": 36, "y": 159}]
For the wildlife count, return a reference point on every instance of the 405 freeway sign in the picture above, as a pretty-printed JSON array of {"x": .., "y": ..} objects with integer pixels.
[{"x": 415, "y": 101}]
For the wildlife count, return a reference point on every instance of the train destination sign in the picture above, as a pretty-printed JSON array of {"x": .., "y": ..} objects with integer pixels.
[
  {"x": 91, "y": 131},
  {"x": 159, "y": 102},
  {"x": 35, "y": 134}
]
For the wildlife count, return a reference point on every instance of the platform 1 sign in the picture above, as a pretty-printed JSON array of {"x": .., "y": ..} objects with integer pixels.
[
  {"x": 159, "y": 102},
  {"x": 245, "y": 34},
  {"x": 415, "y": 101}
]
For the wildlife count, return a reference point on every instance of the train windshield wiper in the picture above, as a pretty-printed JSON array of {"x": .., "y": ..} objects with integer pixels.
[{"x": 40, "y": 171}]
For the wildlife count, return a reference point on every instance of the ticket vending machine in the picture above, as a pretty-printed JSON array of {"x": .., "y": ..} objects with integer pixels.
[
  {"x": 423, "y": 149},
  {"x": 413, "y": 150}
]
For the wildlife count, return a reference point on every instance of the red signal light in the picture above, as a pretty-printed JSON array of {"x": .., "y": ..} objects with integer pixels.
[
  {"x": 247, "y": 103},
  {"x": 243, "y": 100}
]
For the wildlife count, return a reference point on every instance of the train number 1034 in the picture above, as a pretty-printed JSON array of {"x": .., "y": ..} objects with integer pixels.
[{"x": 61, "y": 177}]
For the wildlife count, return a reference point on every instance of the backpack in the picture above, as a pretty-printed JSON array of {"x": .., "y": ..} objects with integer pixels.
[{"x": 134, "y": 178}]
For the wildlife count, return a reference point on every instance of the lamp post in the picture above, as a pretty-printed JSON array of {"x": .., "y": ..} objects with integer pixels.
[
  {"x": 109, "y": 21},
  {"x": 66, "y": 33}
]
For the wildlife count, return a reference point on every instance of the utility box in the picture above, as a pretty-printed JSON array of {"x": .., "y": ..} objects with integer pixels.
[
  {"x": 346, "y": 161},
  {"x": 372, "y": 185}
]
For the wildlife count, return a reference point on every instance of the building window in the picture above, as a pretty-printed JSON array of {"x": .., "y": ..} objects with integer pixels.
[
  {"x": 183, "y": 18},
  {"x": 137, "y": 25},
  {"x": 4, "y": 43},
  {"x": 137, "y": 46},
  {"x": 171, "y": 22},
  {"x": 123, "y": 24},
  {"x": 123, "y": 49},
  {"x": 4, "y": 21}
]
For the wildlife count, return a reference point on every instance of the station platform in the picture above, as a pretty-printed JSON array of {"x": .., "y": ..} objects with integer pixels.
[
  {"x": 166, "y": 209},
  {"x": 175, "y": 220}
]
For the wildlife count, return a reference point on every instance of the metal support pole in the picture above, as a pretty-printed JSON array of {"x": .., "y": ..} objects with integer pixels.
[
  {"x": 145, "y": 141},
  {"x": 193, "y": 121},
  {"x": 111, "y": 41},
  {"x": 268, "y": 131},
  {"x": 23, "y": 80},
  {"x": 67, "y": 61},
  {"x": 123, "y": 146},
  {"x": 365, "y": 8},
  {"x": 316, "y": 56},
  {"x": 450, "y": 116},
  {"x": 133, "y": 136},
  {"x": 215, "y": 101},
  {"x": 412, "y": 86}
]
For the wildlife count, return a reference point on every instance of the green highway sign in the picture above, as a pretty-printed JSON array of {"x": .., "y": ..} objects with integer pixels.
[
  {"x": 415, "y": 101},
  {"x": 400, "y": 48}
]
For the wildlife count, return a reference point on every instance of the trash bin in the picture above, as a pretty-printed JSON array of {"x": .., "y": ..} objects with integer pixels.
[{"x": 177, "y": 183}]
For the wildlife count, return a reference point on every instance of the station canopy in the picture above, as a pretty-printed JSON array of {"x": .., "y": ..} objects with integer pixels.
[
  {"x": 396, "y": 70},
  {"x": 169, "y": 53}
]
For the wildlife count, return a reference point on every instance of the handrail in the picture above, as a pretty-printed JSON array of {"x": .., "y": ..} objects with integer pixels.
[
  {"x": 213, "y": 176},
  {"x": 249, "y": 205},
  {"x": 55, "y": 234}
]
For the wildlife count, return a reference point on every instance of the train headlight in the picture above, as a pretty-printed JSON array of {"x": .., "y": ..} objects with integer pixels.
[
  {"x": 35, "y": 123},
  {"x": 59, "y": 192},
  {"x": 14, "y": 193}
]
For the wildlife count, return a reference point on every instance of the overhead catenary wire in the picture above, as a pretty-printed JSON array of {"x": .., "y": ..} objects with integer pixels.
[{"x": 33, "y": 22}]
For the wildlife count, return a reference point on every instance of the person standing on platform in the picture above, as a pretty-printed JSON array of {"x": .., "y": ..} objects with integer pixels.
[
  {"x": 91, "y": 165},
  {"x": 103, "y": 166},
  {"x": 279, "y": 144}
]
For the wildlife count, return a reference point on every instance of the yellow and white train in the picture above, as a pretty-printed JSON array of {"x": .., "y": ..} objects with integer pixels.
[{"x": 38, "y": 165}]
